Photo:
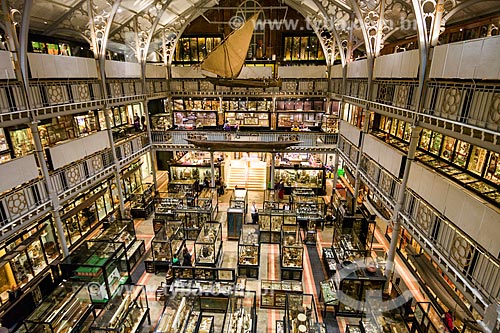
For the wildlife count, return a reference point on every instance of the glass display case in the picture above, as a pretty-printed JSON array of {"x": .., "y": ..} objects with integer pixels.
[
  {"x": 208, "y": 245},
  {"x": 161, "y": 122},
  {"x": 310, "y": 210},
  {"x": 270, "y": 222},
  {"x": 328, "y": 294},
  {"x": 273, "y": 293},
  {"x": 126, "y": 311},
  {"x": 102, "y": 265},
  {"x": 291, "y": 253},
  {"x": 355, "y": 283},
  {"x": 241, "y": 316},
  {"x": 301, "y": 315},
  {"x": 124, "y": 231},
  {"x": 239, "y": 199},
  {"x": 179, "y": 312},
  {"x": 249, "y": 253},
  {"x": 390, "y": 321},
  {"x": 208, "y": 199},
  {"x": 329, "y": 261},
  {"x": 187, "y": 187},
  {"x": 166, "y": 243},
  {"x": 66, "y": 310},
  {"x": 166, "y": 205},
  {"x": 302, "y": 176},
  {"x": 142, "y": 203},
  {"x": 352, "y": 238},
  {"x": 193, "y": 172},
  {"x": 194, "y": 218}
]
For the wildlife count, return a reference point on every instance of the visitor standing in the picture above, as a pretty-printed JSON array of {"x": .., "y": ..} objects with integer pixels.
[{"x": 254, "y": 213}]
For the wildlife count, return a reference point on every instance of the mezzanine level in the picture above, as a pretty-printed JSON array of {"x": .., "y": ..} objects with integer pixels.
[
  {"x": 318, "y": 142},
  {"x": 471, "y": 268},
  {"x": 26, "y": 203}
]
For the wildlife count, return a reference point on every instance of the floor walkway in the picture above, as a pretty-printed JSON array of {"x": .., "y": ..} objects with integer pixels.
[{"x": 269, "y": 269}]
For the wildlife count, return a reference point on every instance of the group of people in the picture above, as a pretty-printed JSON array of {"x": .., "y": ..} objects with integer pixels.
[{"x": 186, "y": 258}]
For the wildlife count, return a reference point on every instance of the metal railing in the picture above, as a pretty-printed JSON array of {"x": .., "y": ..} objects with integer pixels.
[
  {"x": 308, "y": 139},
  {"x": 19, "y": 206},
  {"x": 472, "y": 269}
]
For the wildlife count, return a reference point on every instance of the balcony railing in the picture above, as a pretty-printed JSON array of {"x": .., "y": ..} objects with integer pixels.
[
  {"x": 75, "y": 177},
  {"x": 472, "y": 269},
  {"x": 20, "y": 206},
  {"x": 309, "y": 140}
]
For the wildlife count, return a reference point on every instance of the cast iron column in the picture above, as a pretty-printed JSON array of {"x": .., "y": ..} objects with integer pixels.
[{"x": 415, "y": 136}]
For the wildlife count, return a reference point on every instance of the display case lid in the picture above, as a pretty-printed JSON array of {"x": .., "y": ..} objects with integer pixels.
[
  {"x": 209, "y": 233},
  {"x": 55, "y": 304},
  {"x": 249, "y": 236}
]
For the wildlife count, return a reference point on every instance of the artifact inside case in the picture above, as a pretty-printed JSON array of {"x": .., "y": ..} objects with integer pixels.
[
  {"x": 291, "y": 248},
  {"x": 64, "y": 310},
  {"x": 176, "y": 314},
  {"x": 241, "y": 314},
  {"x": 249, "y": 247},
  {"x": 125, "y": 312},
  {"x": 208, "y": 244}
]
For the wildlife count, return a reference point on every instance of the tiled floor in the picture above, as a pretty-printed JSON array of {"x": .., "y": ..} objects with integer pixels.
[{"x": 269, "y": 266}]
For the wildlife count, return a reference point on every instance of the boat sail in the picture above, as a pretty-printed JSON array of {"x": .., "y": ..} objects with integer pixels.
[{"x": 228, "y": 58}]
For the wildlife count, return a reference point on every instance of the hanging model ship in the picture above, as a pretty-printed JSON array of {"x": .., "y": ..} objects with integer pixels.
[{"x": 226, "y": 60}]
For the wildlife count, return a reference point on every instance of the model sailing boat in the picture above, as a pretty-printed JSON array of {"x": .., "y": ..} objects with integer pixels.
[{"x": 227, "y": 59}]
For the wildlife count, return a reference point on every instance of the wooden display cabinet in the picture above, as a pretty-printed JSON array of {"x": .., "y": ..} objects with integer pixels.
[{"x": 249, "y": 253}]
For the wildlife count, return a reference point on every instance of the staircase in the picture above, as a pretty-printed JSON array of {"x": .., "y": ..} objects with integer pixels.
[
  {"x": 256, "y": 177},
  {"x": 237, "y": 174},
  {"x": 251, "y": 176}
]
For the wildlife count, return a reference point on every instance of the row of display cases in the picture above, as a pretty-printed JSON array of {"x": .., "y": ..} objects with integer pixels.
[
  {"x": 142, "y": 201},
  {"x": 271, "y": 223},
  {"x": 193, "y": 172},
  {"x": 201, "y": 118},
  {"x": 69, "y": 309},
  {"x": 273, "y": 292},
  {"x": 187, "y": 312},
  {"x": 301, "y": 176}
]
